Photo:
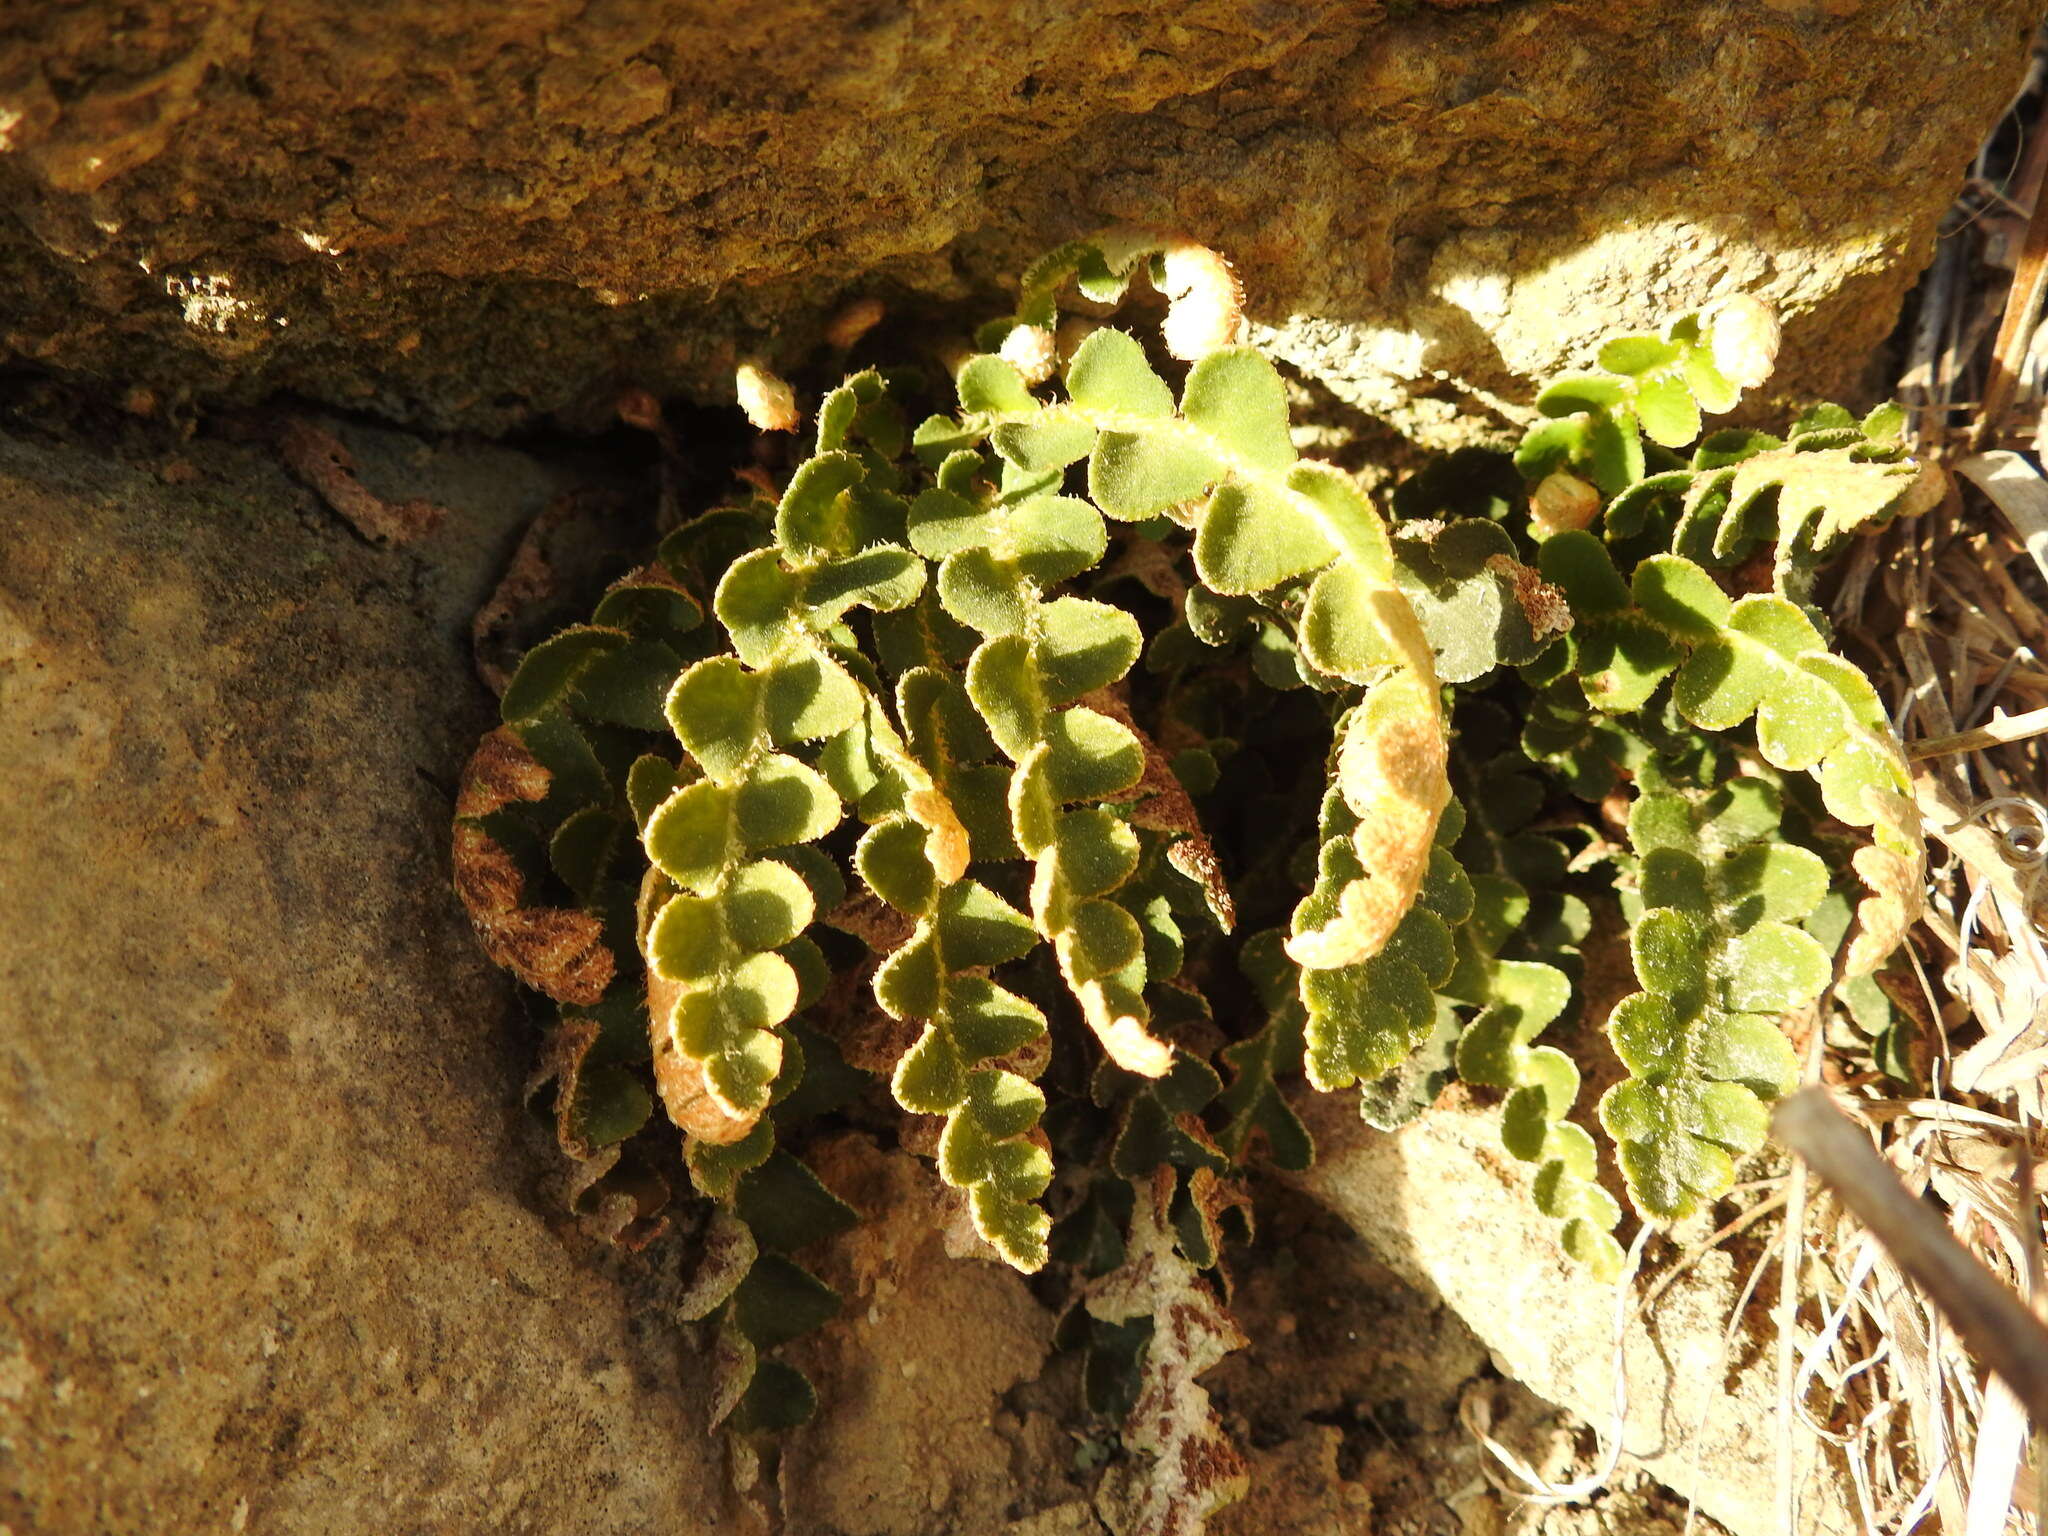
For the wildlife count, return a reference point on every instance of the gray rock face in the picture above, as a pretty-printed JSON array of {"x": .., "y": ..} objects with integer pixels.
[
  {"x": 1699, "y": 1412},
  {"x": 270, "y": 1252},
  {"x": 467, "y": 213}
]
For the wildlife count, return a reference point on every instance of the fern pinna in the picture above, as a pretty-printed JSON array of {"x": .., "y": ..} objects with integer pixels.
[{"x": 978, "y": 717}]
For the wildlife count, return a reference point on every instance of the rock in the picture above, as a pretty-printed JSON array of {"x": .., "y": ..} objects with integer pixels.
[
  {"x": 271, "y": 1257},
  {"x": 467, "y": 214},
  {"x": 909, "y": 1436},
  {"x": 277, "y": 1246},
  {"x": 1297, "y": 1487},
  {"x": 1701, "y": 1416}
]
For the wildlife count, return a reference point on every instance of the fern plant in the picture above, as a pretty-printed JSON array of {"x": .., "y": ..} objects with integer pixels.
[{"x": 959, "y": 761}]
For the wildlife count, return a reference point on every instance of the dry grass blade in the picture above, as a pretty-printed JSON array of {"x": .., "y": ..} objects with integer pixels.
[
  {"x": 1791, "y": 1265},
  {"x": 2019, "y": 491},
  {"x": 2016, "y": 327},
  {"x": 2023, "y": 301}
]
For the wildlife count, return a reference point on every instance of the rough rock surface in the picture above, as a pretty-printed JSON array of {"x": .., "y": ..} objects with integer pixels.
[
  {"x": 1700, "y": 1412},
  {"x": 270, "y": 1255},
  {"x": 911, "y": 1436},
  {"x": 468, "y": 213},
  {"x": 276, "y": 1253}
]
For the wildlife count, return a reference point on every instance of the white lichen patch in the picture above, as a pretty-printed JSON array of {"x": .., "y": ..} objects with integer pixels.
[{"x": 208, "y": 301}]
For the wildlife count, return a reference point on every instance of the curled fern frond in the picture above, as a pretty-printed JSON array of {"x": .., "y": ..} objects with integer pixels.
[
  {"x": 1365, "y": 1015},
  {"x": 1205, "y": 301}
]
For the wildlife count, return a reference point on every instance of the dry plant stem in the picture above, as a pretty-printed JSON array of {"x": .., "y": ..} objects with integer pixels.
[
  {"x": 2007, "y": 729},
  {"x": 1789, "y": 1269},
  {"x": 1979, "y": 848},
  {"x": 1721, "y": 1234},
  {"x": 1925, "y": 382},
  {"x": 322, "y": 461},
  {"x": 1996, "y": 686},
  {"x": 2023, "y": 300},
  {"x": 2037, "y": 1288},
  {"x": 1535, "y": 1488},
  {"x": 2023, "y": 188},
  {"x": 2022, "y": 305},
  {"x": 1995, "y": 1324},
  {"x": 1963, "y": 584}
]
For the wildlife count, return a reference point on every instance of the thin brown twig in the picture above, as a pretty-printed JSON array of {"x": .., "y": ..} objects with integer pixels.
[
  {"x": 2037, "y": 1293},
  {"x": 2016, "y": 326}
]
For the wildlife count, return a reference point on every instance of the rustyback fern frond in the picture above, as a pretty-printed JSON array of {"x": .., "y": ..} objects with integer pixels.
[
  {"x": 969, "y": 1025},
  {"x": 1517, "y": 1000},
  {"x": 999, "y": 554},
  {"x": 1365, "y": 1014},
  {"x": 718, "y": 939},
  {"x": 1731, "y": 660},
  {"x": 1720, "y": 959},
  {"x": 1221, "y": 459},
  {"x": 756, "y": 1297},
  {"x": 866, "y": 778},
  {"x": 1654, "y": 386},
  {"x": 590, "y": 702},
  {"x": 1516, "y": 995},
  {"x": 1255, "y": 1105},
  {"x": 1834, "y": 478}
]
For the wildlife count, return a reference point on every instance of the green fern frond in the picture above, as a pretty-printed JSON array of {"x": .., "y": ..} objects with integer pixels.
[
  {"x": 891, "y": 726},
  {"x": 1833, "y": 479},
  {"x": 1760, "y": 656},
  {"x": 1720, "y": 960}
]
